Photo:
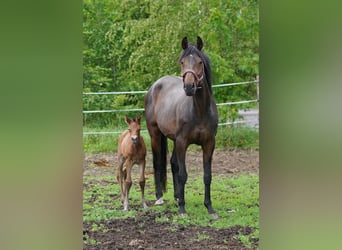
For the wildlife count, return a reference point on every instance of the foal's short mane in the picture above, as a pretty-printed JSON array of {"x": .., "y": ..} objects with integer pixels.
[{"x": 192, "y": 49}]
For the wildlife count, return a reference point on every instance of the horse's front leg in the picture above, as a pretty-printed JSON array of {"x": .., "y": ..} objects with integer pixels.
[
  {"x": 175, "y": 170},
  {"x": 182, "y": 175},
  {"x": 207, "y": 160}
]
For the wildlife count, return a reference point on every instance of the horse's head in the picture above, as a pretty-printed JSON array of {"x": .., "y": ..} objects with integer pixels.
[
  {"x": 134, "y": 128},
  {"x": 192, "y": 66}
]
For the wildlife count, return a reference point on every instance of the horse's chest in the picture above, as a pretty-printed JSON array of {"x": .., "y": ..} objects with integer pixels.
[{"x": 200, "y": 134}]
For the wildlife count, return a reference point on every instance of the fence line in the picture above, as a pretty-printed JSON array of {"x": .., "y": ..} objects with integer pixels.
[
  {"x": 142, "y": 109},
  {"x": 112, "y": 110},
  {"x": 145, "y": 91},
  {"x": 116, "y": 93}
]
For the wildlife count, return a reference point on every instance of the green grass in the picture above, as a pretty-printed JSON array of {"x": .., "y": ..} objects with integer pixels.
[
  {"x": 235, "y": 199},
  {"x": 226, "y": 137}
]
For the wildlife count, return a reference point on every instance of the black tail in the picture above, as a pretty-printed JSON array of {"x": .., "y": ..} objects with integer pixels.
[{"x": 163, "y": 177}]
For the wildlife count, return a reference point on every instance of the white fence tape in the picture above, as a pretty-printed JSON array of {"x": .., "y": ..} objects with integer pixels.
[{"x": 142, "y": 109}]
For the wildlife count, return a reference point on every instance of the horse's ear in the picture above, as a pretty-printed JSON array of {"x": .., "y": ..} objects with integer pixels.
[
  {"x": 185, "y": 43},
  {"x": 128, "y": 120},
  {"x": 138, "y": 118},
  {"x": 199, "y": 43}
]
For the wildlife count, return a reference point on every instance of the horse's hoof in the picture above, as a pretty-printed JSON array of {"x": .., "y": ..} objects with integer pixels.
[
  {"x": 145, "y": 206},
  {"x": 183, "y": 215},
  {"x": 160, "y": 201},
  {"x": 214, "y": 216}
]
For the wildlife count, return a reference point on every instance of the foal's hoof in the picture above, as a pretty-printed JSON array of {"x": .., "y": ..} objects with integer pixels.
[
  {"x": 145, "y": 206},
  {"x": 160, "y": 201}
]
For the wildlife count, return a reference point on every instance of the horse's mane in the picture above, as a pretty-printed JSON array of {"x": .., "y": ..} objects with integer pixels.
[{"x": 192, "y": 49}]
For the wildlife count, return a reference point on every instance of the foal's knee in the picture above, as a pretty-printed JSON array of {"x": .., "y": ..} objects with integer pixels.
[
  {"x": 142, "y": 183},
  {"x": 128, "y": 184}
]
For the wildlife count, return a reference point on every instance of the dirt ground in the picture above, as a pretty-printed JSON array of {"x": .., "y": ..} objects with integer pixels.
[{"x": 143, "y": 232}]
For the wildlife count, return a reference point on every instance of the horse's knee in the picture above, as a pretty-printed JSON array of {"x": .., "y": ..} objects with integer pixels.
[
  {"x": 182, "y": 178},
  {"x": 207, "y": 179}
]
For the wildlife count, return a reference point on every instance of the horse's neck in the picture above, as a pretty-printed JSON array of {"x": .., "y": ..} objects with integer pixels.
[{"x": 202, "y": 101}]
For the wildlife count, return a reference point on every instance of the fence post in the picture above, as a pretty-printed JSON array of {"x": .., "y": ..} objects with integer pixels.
[{"x": 258, "y": 99}]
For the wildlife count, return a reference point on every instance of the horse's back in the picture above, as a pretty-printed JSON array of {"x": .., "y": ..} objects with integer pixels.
[
  {"x": 161, "y": 102},
  {"x": 163, "y": 86}
]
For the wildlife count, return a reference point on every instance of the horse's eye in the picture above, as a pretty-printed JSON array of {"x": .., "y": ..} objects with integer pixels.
[
  {"x": 201, "y": 62},
  {"x": 182, "y": 62},
  {"x": 129, "y": 130}
]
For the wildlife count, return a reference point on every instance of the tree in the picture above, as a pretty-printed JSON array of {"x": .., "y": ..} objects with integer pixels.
[{"x": 130, "y": 44}]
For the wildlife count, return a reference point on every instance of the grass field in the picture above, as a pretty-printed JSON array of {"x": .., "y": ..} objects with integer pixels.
[
  {"x": 236, "y": 201},
  {"x": 235, "y": 198}
]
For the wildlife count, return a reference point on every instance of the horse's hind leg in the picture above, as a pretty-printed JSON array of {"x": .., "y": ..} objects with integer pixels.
[
  {"x": 158, "y": 165},
  {"x": 142, "y": 182}
]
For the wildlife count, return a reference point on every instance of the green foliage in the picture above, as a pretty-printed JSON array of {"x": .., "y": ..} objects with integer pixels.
[
  {"x": 237, "y": 137},
  {"x": 130, "y": 44}
]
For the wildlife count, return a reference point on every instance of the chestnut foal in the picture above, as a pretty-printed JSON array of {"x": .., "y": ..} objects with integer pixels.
[{"x": 131, "y": 151}]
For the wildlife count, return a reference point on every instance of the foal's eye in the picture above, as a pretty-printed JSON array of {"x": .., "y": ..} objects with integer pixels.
[
  {"x": 182, "y": 62},
  {"x": 129, "y": 130}
]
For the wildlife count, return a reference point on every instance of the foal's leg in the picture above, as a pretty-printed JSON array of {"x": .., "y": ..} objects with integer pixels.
[
  {"x": 128, "y": 182},
  {"x": 119, "y": 177},
  {"x": 142, "y": 182},
  {"x": 207, "y": 160}
]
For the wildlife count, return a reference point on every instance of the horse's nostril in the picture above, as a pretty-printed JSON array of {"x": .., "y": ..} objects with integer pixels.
[{"x": 134, "y": 139}]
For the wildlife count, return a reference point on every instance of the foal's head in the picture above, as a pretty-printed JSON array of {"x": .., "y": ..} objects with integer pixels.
[
  {"x": 195, "y": 66},
  {"x": 134, "y": 128}
]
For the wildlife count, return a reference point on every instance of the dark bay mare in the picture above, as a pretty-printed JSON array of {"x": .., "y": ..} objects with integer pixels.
[{"x": 182, "y": 109}]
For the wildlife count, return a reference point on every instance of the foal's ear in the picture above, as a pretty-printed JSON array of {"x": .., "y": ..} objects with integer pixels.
[
  {"x": 128, "y": 120},
  {"x": 138, "y": 118},
  {"x": 199, "y": 43},
  {"x": 185, "y": 43}
]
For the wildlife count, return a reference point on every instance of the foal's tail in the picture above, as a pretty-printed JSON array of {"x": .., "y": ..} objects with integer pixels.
[{"x": 163, "y": 151}]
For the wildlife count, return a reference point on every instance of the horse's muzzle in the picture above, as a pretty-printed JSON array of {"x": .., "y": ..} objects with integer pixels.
[
  {"x": 134, "y": 139},
  {"x": 190, "y": 89}
]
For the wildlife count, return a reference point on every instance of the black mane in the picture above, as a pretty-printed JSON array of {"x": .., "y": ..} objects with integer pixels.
[{"x": 192, "y": 49}]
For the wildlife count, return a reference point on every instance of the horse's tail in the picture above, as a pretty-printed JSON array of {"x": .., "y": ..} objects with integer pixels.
[{"x": 163, "y": 177}]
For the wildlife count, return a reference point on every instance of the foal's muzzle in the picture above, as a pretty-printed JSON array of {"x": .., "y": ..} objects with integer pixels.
[{"x": 134, "y": 139}]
